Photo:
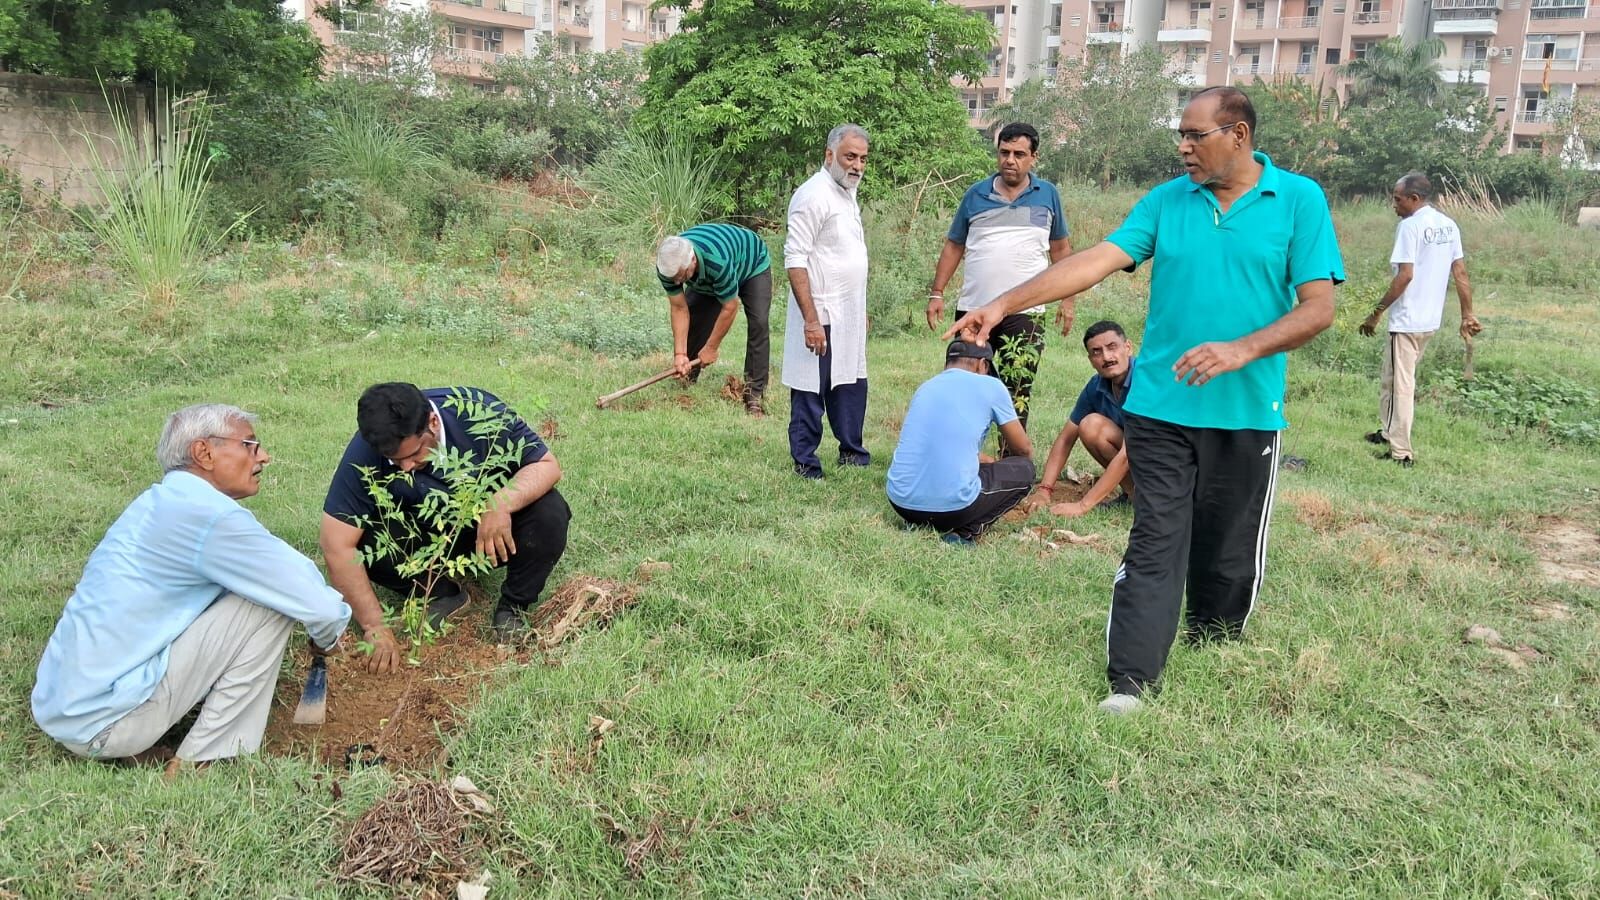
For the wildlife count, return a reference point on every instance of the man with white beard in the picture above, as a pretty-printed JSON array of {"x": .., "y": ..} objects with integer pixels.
[{"x": 825, "y": 337}]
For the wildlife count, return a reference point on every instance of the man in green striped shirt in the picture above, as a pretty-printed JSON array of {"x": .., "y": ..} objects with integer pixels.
[{"x": 707, "y": 272}]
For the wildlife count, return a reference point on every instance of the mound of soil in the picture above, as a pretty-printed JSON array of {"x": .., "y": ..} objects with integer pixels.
[
  {"x": 1568, "y": 552},
  {"x": 398, "y": 719}
]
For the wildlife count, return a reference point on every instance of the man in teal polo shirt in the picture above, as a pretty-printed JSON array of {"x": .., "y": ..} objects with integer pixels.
[
  {"x": 707, "y": 272},
  {"x": 1245, "y": 261}
]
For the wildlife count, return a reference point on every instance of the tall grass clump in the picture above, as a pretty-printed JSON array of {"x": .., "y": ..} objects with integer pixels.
[
  {"x": 153, "y": 223},
  {"x": 650, "y": 186},
  {"x": 360, "y": 144}
]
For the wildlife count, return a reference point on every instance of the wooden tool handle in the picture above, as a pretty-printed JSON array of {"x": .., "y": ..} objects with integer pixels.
[{"x": 614, "y": 396}]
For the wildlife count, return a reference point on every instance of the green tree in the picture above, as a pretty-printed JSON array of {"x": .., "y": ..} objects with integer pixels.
[
  {"x": 584, "y": 100},
  {"x": 1297, "y": 124},
  {"x": 1454, "y": 135},
  {"x": 764, "y": 81},
  {"x": 1104, "y": 118},
  {"x": 1392, "y": 70},
  {"x": 217, "y": 45}
]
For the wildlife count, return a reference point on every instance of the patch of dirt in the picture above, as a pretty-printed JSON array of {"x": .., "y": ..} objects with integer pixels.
[
  {"x": 1567, "y": 552},
  {"x": 1550, "y": 611},
  {"x": 733, "y": 388},
  {"x": 550, "y": 429},
  {"x": 1517, "y": 657},
  {"x": 400, "y": 720},
  {"x": 1314, "y": 510}
]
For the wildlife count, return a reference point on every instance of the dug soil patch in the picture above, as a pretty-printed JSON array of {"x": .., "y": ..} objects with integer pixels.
[
  {"x": 400, "y": 720},
  {"x": 1567, "y": 552}
]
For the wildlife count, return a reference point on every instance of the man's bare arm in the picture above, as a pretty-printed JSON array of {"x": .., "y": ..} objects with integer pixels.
[
  {"x": 678, "y": 307},
  {"x": 1310, "y": 316},
  {"x": 530, "y": 482},
  {"x": 1017, "y": 438},
  {"x": 800, "y": 282},
  {"x": 950, "y": 257},
  {"x": 1469, "y": 323},
  {"x": 1403, "y": 273},
  {"x": 339, "y": 541}
]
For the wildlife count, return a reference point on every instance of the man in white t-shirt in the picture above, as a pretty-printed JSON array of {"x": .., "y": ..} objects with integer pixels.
[{"x": 1427, "y": 256}]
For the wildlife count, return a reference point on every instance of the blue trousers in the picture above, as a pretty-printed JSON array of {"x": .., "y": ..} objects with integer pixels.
[{"x": 846, "y": 408}]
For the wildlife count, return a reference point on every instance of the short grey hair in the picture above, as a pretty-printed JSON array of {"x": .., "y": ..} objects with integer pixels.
[
  {"x": 673, "y": 256},
  {"x": 1415, "y": 184},
  {"x": 194, "y": 423},
  {"x": 848, "y": 129}
]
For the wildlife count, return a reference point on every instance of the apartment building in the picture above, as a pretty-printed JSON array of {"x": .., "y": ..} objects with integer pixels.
[
  {"x": 482, "y": 32},
  {"x": 1524, "y": 54}
]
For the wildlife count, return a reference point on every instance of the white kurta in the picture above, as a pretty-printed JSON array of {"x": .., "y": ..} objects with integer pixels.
[{"x": 826, "y": 239}]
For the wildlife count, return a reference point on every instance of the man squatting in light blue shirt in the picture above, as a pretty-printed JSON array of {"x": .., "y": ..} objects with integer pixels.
[
  {"x": 187, "y": 600},
  {"x": 937, "y": 478}
]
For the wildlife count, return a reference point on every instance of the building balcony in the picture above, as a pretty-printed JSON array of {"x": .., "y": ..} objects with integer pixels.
[
  {"x": 1261, "y": 69},
  {"x": 1188, "y": 74},
  {"x": 1290, "y": 22},
  {"x": 574, "y": 24},
  {"x": 1375, "y": 17},
  {"x": 1464, "y": 71},
  {"x": 1197, "y": 30},
  {"x": 1109, "y": 35},
  {"x": 1555, "y": 65},
  {"x": 1466, "y": 16},
  {"x": 499, "y": 13},
  {"x": 1249, "y": 24}
]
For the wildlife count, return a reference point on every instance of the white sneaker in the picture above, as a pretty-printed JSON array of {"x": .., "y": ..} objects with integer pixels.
[{"x": 1120, "y": 704}]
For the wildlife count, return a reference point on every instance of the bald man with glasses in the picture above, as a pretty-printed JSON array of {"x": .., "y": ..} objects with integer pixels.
[{"x": 1245, "y": 260}]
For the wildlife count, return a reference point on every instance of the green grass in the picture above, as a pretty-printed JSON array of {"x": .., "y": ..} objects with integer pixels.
[{"x": 813, "y": 700}]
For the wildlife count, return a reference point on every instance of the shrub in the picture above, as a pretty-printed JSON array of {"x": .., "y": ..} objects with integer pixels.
[
  {"x": 154, "y": 222},
  {"x": 651, "y": 185}
]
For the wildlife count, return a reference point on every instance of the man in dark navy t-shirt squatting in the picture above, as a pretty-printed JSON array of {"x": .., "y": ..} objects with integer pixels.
[
  {"x": 400, "y": 429},
  {"x": 1096, "y": 421}
]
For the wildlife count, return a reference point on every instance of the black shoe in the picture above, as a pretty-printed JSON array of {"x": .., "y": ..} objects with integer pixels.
[
  {"x": 1114, "y": 502},
  {"x": 754, "y": 407},
  {"x": 441, "y": 608},
  {"x": 852, "y": 460},
  {"x": 1375, "y": 437},
  {"x": 1405, "y": 462},
  {"x": 813, "y": 473},
  {"x": 509, "y": 624}
]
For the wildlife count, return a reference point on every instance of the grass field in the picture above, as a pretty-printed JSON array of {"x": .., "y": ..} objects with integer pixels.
[{"x": 814, "y": 701}]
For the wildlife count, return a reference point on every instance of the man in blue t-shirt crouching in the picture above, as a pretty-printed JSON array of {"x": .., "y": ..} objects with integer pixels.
[{"x": 937, "y": 477}]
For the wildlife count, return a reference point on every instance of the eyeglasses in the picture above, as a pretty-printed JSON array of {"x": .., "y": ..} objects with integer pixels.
[
  {"x": 1194, "y": 137},
  {"x": 254, "y": 447}
]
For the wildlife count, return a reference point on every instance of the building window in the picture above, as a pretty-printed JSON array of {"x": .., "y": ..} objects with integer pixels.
[
  {"x": 1557, "y": 9},
  {"x": 1199, "y": 11},
  {"x": 1500, "y": 104},
  {"x": 1255, "y": 14},
  {"x": 1332, "y": 56},
  {"x": 1358, "y": 49}
]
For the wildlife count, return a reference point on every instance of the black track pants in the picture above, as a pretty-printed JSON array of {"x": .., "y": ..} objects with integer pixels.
[{"x": 1200, "y": 520}]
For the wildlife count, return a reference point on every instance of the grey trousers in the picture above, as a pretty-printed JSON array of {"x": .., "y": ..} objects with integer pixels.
[{"x": 229, "y": 659}]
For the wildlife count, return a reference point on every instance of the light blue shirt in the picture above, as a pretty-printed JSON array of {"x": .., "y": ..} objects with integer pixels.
[
  {"x": 935, "y": 467},
  {"x": 179, "y": 546},
  {"x": 1219, "y": 276}
]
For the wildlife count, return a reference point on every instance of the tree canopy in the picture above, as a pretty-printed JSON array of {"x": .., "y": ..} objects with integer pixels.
[
  {"x": 1102, "y": 118},
  {"x": 764, "y": 81},
  {"x": 1393, "y": 69},
  {"x": 219, "y": 45}
]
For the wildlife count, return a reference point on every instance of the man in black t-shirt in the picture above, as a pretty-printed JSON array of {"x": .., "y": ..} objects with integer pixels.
[{"x": 400, "y": 430}]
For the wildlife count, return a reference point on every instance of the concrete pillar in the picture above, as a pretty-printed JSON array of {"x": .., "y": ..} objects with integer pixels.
[{"x": 1144, "y": 18}]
